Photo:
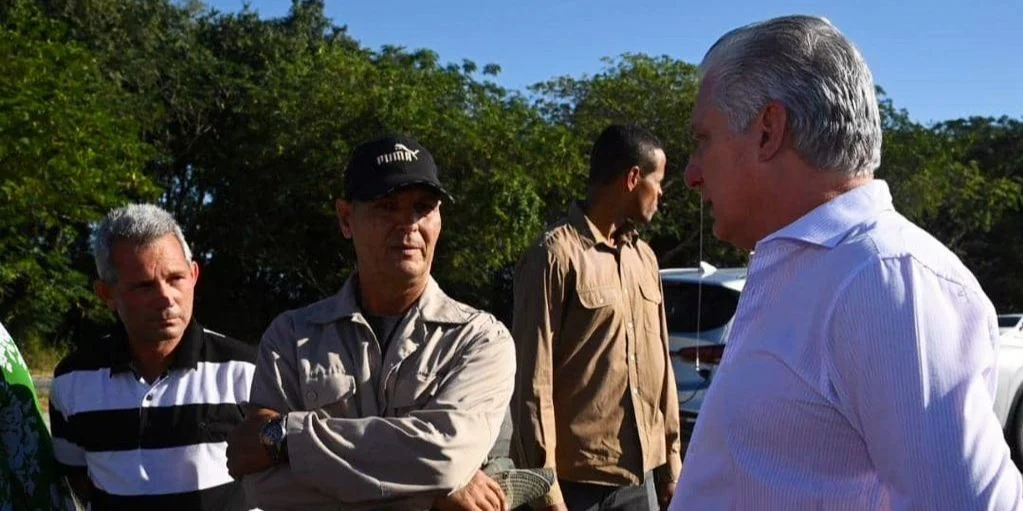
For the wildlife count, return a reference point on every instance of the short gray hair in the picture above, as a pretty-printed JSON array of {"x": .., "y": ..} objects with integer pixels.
[
  {"x": 805, "y": 63},
  {"x": 139, "y": 224}
]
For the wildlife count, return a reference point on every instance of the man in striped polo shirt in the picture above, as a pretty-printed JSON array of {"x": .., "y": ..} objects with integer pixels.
[{"x": 140, "y": 418}]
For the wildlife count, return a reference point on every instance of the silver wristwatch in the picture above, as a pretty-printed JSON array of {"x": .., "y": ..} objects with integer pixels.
[{"x": 272, "y": 437}]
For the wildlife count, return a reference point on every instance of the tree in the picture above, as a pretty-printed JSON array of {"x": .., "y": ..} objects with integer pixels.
[
  {"x": 961, "y": 181},
  {"x": 68, "y": 153},
  {"x": 657, "y": 93},
  {"x": 995, "y": 252},
  {"x": 241, "y": 127}
]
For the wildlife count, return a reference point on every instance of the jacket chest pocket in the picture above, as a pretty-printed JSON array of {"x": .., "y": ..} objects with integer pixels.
[
  {"x": 598, "y": 304},
  {"x": 332, "y": 393},
  {"x": 650, "y": 307},
  {"x": 413, "y": 392}
]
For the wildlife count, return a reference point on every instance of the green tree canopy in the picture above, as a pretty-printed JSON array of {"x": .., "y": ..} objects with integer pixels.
[
  {"x": 241, "y": 126},
  {"x": 68, "y": 153}
]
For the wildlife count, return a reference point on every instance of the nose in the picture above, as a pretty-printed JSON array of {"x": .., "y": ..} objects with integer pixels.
[
  {"x": 408, "y": 218},
  {"x": 693, "y": 175},
  {"x": 165, "y": 294}
]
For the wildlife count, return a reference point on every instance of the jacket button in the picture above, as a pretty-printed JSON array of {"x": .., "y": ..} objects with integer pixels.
[{"x": 311, "y": 395}]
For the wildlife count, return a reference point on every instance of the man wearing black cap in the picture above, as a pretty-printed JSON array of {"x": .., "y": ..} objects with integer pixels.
[{"x": 389, "y": 393}]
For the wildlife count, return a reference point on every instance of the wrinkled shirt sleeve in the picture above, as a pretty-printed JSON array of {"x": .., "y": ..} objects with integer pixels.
[
  {"x": 275, "y": 386},
  {"x": 913, "y": 361},
  {"x": 539, "y": 297},
  {"x": 670, "y": 471},
  {"x": 431, "y": 451}
]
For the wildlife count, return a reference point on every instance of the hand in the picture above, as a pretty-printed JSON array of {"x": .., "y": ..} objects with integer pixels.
[
  {"x": 245, "y": 454},
  {"x": 665, "y": 491},
  {"x": 481, "y": 494}
]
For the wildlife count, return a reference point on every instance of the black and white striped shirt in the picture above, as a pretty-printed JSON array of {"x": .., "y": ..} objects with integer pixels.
[{"x": 158, "y": 445}]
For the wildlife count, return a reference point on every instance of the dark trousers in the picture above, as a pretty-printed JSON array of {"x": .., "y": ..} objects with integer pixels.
[{"x": 598, "y": 497}]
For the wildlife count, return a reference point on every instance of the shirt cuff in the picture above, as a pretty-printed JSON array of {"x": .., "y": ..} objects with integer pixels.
[
  {"x": 294, "y": 425},
  {"x": 670, "y": 471}
]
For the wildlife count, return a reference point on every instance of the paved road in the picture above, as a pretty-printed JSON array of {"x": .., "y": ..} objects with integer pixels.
[{"x": 42, "y": 384}]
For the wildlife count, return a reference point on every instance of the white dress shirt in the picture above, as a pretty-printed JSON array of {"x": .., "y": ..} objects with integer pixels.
[{"x": 859, "y": 375}]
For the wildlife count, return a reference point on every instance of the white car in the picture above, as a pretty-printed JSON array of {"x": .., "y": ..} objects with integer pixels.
[
  {"x": 698, "y": 341},
  {"x": 1010, "y": 324},
  {"x": 1009, "y": 397}
]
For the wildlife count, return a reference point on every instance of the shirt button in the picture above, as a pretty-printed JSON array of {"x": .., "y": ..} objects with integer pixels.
[
  {"x": 630, "y": 325},
  {"x": 149, "y": 397}
]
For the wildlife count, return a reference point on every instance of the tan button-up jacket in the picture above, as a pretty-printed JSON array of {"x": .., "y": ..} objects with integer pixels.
[
  {"x": 372, "y": 430},
  {"x": 595, "y": 394}
]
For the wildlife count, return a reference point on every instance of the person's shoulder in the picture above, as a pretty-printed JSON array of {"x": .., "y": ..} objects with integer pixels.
[
  {"x": 326, "y": 310},
  {"x": 559, "y": 234},
  {"x": 557, "y": 243},
  {"x": 436, "y": 306},
  {"x": 441, "y": 308},
  {"x": 646, "y": 252},
  {"x": 223, "y": 348},
  {"x": 71, "y": 362},
  {"x": 86, "y": 357},
  {"x": 477, "y": 322},
  {"x": 892, "y": 239}
]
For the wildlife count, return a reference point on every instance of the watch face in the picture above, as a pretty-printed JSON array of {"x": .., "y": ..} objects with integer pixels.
[{"x": 271, "y": 434}]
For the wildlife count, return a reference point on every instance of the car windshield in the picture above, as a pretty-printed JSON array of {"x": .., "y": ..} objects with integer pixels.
[
  {"x": 717, "y": 306},
  {"x": 1008, "y": 321}
]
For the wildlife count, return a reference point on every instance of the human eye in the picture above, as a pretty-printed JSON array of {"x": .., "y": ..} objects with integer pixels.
[
  {"x": 425, "y": 207},
  {"x": 142, "y": 286}
]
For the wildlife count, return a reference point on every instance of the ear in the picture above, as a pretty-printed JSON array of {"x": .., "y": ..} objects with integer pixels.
[
  {"x": 632, "y": 178},
  {"x": 195, "y": 272},
  {"x": 105, "y": 292},
  {"x": 773, "y": 126},
  {"x": 344, "y": 216}
]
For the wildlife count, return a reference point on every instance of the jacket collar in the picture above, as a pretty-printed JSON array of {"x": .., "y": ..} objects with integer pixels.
[
  {"x": 591, "y": 236},
  {"x": 434, "y": 306}
]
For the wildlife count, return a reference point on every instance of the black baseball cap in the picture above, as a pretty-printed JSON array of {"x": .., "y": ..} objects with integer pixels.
[{"x": 388, "y": 164}]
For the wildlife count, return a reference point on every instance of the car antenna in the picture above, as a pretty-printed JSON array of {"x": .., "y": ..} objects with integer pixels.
[{"x": 703, "y": 271}]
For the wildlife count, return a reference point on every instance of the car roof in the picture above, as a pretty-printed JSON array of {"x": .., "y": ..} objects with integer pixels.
[{"x": 733, "y": 278}]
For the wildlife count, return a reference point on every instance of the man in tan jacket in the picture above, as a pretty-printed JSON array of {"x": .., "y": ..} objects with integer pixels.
[
  {"x": 389, "y": 394},
  {"x": 595, "y": 397}
]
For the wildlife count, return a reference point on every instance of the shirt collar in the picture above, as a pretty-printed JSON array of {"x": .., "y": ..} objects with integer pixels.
[
  {"x": 186, "y": 355},
  {"x": 591, "y": 235},
  {"x": 828, "y": 224},
  {"x": 433, "y": 306}
]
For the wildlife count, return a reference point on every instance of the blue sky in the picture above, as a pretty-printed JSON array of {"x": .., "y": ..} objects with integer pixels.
[{"x": 938, "y": 59}]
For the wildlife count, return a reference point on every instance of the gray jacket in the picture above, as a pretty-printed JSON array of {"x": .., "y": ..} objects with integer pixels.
[{"x": 372, "y": 430}]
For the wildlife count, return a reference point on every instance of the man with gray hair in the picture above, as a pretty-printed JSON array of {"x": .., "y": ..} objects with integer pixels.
[
  {"x": 140, "y": 419},
  {"x": 861, "y": 368}
]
